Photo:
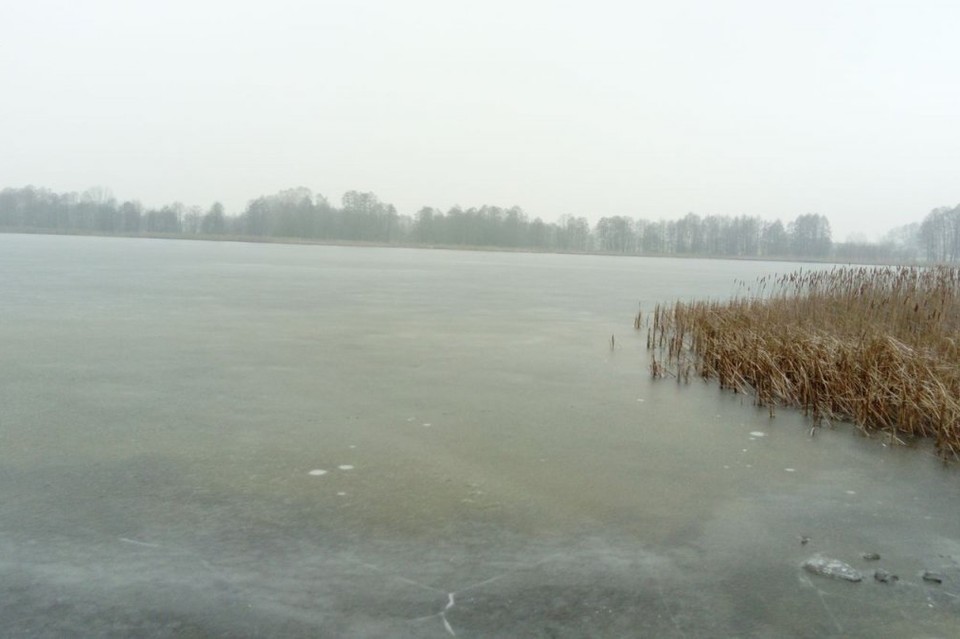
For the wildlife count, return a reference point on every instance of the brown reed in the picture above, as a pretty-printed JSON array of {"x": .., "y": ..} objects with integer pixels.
[{"x": 879, "y": 347}]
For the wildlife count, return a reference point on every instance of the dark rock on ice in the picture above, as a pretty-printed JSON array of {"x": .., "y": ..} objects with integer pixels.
[
  {"x": 932, "y": 577},
  {"x": 884, "y": 577}
]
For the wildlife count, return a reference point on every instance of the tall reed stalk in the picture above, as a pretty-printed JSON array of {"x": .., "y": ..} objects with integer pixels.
[{"x": 879, "y": 347}]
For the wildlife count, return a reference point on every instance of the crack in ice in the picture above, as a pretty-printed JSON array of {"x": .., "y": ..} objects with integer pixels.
[
  {"x": 452, "y": 596},
  {"x": 666, "y": 606},
  {"x": 443, "y": 614},
  {"x": 820, "y": 593}
]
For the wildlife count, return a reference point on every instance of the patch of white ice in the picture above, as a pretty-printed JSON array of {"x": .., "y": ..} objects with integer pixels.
[
  {"x": 138, "y": 543},
  {"x": 345, "y": 467},
  {"x": 317, "y": 472}
]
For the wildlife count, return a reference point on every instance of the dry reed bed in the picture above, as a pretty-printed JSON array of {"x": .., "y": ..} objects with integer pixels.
[{"x": 873, "y": 346}]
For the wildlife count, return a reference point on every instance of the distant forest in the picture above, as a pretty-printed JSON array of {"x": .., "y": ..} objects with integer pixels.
[{"x": 361, "y": 217}]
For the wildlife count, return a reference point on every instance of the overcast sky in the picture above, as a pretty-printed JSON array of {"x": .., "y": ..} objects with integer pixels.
[{"x": 758, "y": 107}]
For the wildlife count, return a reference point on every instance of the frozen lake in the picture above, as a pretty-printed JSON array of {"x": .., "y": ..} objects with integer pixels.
[{"x": 243, "y": 440}]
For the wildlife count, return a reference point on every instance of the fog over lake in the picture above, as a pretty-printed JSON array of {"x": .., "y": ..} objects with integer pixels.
[{"x": 262, "y": 440}]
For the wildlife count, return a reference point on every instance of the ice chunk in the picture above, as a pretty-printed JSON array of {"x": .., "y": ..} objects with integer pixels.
[{"x": 834, "y": 568}]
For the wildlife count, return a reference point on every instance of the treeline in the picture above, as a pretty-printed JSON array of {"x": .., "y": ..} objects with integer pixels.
[
  {"x": 362, "y": 217},
  {"x": 939, "y": 235}
]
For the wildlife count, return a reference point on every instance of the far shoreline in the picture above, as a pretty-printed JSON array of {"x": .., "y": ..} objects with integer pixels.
[{"x": 247, "y": 239}]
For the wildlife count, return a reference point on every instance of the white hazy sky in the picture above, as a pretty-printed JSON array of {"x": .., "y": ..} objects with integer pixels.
[{"x": 646, "y": 109}]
